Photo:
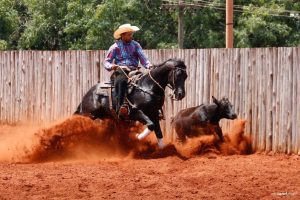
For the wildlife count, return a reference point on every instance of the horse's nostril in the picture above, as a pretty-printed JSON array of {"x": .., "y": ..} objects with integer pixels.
[{"x": 180, "y": 95}]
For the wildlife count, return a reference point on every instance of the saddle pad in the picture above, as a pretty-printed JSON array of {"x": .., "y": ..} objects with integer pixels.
[{"x": 106, "y": 84}]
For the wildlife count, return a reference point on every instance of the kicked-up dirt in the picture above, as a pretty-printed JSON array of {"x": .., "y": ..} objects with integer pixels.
[{"x": 82, "y": 159}]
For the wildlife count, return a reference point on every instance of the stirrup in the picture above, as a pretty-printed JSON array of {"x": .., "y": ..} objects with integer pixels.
[{"x": 124, "y": 110}]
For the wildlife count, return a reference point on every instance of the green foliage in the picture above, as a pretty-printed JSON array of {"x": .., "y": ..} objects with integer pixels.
[
  {"x": 3, "y": 45},
  {"x": 89, "y": 24},
  {"x": 45, "y": 28},
  {"x": 78, "y": 22},
  {"x": 9, "y": 21},
  {"x": 257, "y": 28},
  {"x": 199, "y": 32},
  {"x": 156, "y": 26}
]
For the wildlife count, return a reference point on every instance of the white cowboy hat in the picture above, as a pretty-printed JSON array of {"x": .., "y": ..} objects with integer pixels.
[{"x": 124, "y": 29}]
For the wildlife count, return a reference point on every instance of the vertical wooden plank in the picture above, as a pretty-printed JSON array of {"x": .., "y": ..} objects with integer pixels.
[
  {"x": 242, "y": 89},
  {"x": 7, "y": 88},
  {"x": 73, "y": 99},
  {"x": 211, "y": 74},
  {"x": 49, "y": 85},
  {"x": 68, "y": 64},
  {"x": 16, "y": 93},
  {"x": 269, "y": 113},
  {"x": 9, "y": 83},
  {"x": 59, "y": 88},
  {"x": 53, "y": 83},
  {"x": 64, "y": 80},
  {"x": 4, "y": 109},
  {"x": 32, "y": 97},
  {"x": 193, "y": 89},
  {"x": 286, "y": 99},
  {"x": 281, "y": 100},
  {"x": 202, "y": 74},
  {"x": 38, "y": 67},
  {"x": 237, "y": 91},
  {"x": 254, "y": 117},
  {"x": 278, "y": 101},
  {"x": 294, "y": 102},
  {"x": 44, "y": 93},
  {"x": 263, "y": 89},
  {"x": 2, "y": 83},
  {"x": 297, "y": 129},
  {"x": 249, "y": 75},
  {"x": 289, "y": 98},
  {"x": 24, "y": 71},
  {"x": 13, "y": 87},
  {"x": 2, "y": 67},
  {"x": 17, "y": 87}
]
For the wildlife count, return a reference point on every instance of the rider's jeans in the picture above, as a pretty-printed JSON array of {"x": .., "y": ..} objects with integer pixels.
[{"x": 120, "y": 86}]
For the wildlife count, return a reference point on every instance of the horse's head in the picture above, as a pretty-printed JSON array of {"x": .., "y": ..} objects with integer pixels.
[
  {"x": 226, "y": 108},
  {"x": 177, "y": 77}
]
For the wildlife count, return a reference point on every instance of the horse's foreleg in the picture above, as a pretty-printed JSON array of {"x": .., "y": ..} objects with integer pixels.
[
  {"x": 159, "y": 134},
  {"x": 140, "y": 116}
]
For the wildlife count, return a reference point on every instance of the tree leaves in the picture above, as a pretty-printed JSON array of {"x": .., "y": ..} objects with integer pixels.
[{"x": 89, "y": 24}]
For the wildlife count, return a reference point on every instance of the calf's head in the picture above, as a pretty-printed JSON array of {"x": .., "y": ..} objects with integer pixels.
[{"x": 225, "y": 107}]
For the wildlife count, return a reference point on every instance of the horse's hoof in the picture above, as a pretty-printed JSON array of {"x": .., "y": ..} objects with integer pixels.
[{"x": 160, "y": 144}]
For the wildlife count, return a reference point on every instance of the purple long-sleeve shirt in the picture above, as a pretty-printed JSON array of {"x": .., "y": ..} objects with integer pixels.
[{"x": 126, "y": 54}]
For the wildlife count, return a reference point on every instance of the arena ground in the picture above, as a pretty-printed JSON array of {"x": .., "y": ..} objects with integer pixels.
[{"x": 76, "y": 160}]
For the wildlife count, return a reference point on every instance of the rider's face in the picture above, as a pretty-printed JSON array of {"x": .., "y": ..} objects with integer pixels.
[{"x": 127, "y": 37}]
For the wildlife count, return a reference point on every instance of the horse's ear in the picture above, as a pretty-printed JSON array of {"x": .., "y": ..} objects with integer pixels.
[{"x": 215, "y": 100}]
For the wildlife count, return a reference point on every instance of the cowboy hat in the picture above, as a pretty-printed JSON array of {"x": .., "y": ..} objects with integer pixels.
[{"x": 124, "y": 29}]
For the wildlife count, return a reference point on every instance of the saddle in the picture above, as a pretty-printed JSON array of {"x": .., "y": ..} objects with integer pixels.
[{"x": 108, "y": 87}]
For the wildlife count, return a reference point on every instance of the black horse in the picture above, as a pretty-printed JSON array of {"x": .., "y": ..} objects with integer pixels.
[{"x": 146, "y": 97}]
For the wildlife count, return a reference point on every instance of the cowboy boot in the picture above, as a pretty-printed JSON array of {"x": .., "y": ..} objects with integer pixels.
[{"x": 124, "y": 110}]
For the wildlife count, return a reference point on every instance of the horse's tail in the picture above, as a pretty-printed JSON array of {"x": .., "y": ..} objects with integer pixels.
[{"x": 78, "y": 110}]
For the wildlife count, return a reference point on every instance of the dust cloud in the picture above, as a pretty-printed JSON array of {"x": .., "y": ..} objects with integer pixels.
[
  {"x": 79, "y": 137},
  {"x": 235, "y": 143},
  {"x": 15, "y": 140}
]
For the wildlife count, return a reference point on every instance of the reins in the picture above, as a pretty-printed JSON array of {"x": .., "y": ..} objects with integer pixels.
[
  {"x": 151, "y": 77},
  {"x": 173, "y": 71}
]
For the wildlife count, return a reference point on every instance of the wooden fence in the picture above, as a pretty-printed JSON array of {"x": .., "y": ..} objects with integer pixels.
[{"x": 262, "y": 83}]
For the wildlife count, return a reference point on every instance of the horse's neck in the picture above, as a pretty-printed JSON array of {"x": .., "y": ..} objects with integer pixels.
[{"x": 160, "y": 75}]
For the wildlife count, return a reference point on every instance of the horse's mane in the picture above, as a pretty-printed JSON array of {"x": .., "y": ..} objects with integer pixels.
[{"x": 178, "y": 62}]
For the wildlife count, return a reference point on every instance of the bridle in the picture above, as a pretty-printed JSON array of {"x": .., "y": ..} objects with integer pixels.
[{"x": 172, "y": 87}]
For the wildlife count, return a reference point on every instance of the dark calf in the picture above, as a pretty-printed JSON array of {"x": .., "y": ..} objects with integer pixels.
[{"x": 203, "y": 119}]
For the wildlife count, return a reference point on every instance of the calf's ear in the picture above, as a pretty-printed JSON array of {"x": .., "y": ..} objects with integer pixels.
[{"x": 215, "y": 100}]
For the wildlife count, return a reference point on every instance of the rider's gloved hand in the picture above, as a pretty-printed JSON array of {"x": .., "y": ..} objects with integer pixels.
[
  {"x": 125, "y": 68},
  {"x": 149, "y": 67},
  {"x": 114, "y": 67}
]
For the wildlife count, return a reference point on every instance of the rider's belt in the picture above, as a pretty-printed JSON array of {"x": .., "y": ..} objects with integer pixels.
[{"x": 133, "y": 67}]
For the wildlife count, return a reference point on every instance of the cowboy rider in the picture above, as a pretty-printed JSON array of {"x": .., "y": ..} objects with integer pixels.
[{"x": 123, "y": 57}]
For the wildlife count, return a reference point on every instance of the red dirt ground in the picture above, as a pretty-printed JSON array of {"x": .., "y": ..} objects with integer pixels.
[{"x": 82, "y": 159}]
